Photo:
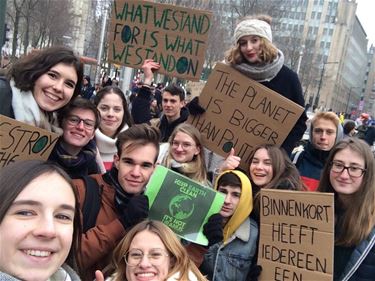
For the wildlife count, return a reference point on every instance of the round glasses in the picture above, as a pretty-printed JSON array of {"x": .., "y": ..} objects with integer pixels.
[
  {"x": 354, "y": 172},
  {"x": 155, "y": 257},
  {"x": 184, "y": 145},
  {"x": 75, "y": 120}
]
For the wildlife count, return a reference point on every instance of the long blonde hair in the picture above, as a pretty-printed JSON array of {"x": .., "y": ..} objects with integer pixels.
[
  {"x": 196, "y": 169},
  {"x": 356, "y": 222},
  {"x": 180, "y": 261},
  {"x": 268, "y": 50}
]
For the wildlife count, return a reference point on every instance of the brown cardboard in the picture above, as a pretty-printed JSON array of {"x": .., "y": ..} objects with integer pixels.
[
  {"x": 296, "y": 245},
  {"x": 195, "y": 88},
  {"x": 173, "y": 36},
  {"x": 20, "y": 141},
  {"x": 242, "y": 113}
]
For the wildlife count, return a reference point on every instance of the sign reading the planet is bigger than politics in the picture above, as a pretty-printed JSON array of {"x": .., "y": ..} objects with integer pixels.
[
  {"x": 181, "y": 203},
  {"x": 20, "y": 141},
  {"x": 176, "y": 37},
  {"x": 296, "y": 235},
  {"x": 242, "y": 113}
]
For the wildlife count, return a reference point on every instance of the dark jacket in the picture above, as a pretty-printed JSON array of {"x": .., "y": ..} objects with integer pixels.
[
  {"x": 77, "y": 166},
  {"x": 141, "y": 111},
  {"x": 166, "y": 128},
  {"x": 6, "y": 98},
  {"x": 361, "y": 265},
  {"x": 310, "y": 163},
  {"x": 287, "y": 84}
]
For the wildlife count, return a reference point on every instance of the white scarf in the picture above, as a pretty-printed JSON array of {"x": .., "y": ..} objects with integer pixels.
[
  {"x": 107, "y": 145},
  {"x": 27, "y": 110}
]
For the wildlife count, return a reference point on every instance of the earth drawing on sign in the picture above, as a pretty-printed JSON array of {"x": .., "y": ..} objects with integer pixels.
[{"x": 181, "y": 207}]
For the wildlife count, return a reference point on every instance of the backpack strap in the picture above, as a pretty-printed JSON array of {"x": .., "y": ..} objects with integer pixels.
[{"x": 91, "y": 205}]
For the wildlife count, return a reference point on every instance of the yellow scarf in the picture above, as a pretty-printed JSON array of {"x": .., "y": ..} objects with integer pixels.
[{"x": 244, "y": 207}]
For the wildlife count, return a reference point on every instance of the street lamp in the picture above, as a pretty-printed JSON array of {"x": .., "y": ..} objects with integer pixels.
[{"x": 317, "y": 96}]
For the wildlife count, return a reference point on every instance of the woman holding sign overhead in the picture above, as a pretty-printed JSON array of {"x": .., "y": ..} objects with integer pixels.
[
  {"x": 349, "y": 174},
  {"x": 255, "y": 56},
  {"x": 39, "y": 84}
]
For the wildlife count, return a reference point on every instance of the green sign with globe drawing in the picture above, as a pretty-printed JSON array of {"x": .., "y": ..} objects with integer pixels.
[{"x": 181, "y": 203}]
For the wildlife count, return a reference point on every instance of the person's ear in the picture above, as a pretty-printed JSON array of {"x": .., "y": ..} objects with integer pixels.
[{"x": 116, "y": 160}]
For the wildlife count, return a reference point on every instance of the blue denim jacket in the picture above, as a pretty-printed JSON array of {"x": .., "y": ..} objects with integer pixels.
[{"x": 232, "y": 261}]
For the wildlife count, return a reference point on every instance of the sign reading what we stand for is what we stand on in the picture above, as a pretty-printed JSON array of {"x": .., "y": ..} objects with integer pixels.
[{"x": 174, "y": 36}]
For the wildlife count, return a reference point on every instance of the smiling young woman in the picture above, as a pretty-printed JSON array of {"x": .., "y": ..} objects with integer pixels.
[
  {"x": 39, "y": 84},
  {"x": 39, "y": 223},
  {"x": 349, "y": 174}
]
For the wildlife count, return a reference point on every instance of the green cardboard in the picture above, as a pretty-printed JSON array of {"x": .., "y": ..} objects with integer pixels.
[{"x": 182, "y": 204}]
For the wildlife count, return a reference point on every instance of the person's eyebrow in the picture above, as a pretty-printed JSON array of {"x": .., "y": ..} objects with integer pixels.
[{"x": 36, "y": 203}]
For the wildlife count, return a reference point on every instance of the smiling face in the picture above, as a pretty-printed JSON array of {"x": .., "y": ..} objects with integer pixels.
[
  {"x": 135, "y": 167},
  {"x": 111, "y": 112},
  {"x": 344, "y": 184},
  {"x": 36, "y": 232},
  {"x": 261, "y": 172},
  {"x": 76, "y": 136},
  {"x": 184, "y": 148},
  {"x": 147, "y": 270},
  {"x": 250, "y": 48},
  {"x": 55, "y": 88},
  {"x": 232, "y": 198}
]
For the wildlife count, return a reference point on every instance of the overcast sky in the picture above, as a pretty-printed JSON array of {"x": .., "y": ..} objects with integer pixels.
[{"x": 365, "y": 13}]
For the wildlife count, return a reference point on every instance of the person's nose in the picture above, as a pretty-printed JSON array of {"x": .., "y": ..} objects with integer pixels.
[
  {"x": 249, "y": 46},
  {"x": 145, "y": 262},
  {"x": 58, "y": 85},
  {"x": 45, "y": 227},
  {"x": 81, "y": 125},
  {"x": 136, "y": 171}
]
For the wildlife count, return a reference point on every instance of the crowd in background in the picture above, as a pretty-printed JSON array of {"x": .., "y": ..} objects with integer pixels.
[{"x": 97, "y": 226}]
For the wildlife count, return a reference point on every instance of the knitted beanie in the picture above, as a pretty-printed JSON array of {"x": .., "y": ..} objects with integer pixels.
[{"x": 253, "y": 27}]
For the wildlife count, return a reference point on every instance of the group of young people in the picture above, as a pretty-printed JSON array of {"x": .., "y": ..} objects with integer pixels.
[{"x": 46, "y": 232}]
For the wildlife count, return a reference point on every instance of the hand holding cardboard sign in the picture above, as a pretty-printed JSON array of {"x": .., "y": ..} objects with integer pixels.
[
  {"x": 148, "y": 67},
  {"x": 231, "y": 162},
  {"x": 213, "y": 229}
]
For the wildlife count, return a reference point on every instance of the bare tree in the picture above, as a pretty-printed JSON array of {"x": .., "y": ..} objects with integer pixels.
[{"x": 15, "y": 14}]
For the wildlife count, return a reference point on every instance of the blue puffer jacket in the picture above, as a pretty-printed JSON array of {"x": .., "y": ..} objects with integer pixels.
[{"x": 361, "y": 265}]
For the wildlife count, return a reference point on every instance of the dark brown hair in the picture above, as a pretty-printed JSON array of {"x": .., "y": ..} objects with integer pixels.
[
  {"x": 138, "y": 135},
  {"x": 78, "y": 103},
  {"x": 16, "y": 176},
  {"x": 127, "y": 118},
  {"x": 28, "y": 69}
]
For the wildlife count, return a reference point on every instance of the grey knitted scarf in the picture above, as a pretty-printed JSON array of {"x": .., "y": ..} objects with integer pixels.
[{"x": 261, "y": 72}]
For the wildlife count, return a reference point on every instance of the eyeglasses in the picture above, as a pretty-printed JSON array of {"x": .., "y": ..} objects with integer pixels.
[
  {"x": 155, "y": 256},
  {"x": 354, "y": 172},
  {"x": 184, "y": 145},
  {"x": 75, "y": 120}
]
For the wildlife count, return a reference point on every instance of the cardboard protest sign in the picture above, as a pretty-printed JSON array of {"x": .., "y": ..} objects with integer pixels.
[
  {"x": 242, "y": 113},
  {"x": 195, "y": 88},
  {"x": 176, "y": 37},
  {"x": 182, "y": 204},
  {"x": 19, "y": 141},
  {"x": 296, "y": 235}
]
